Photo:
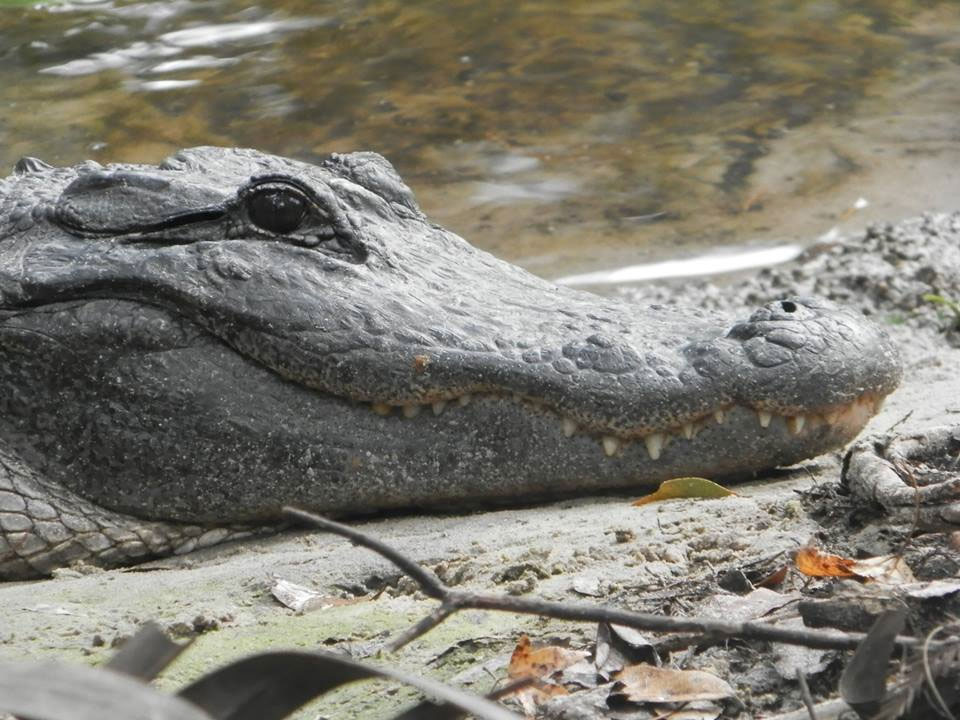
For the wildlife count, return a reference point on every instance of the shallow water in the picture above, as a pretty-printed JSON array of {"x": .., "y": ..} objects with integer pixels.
[{"x": 569, "y": 137}]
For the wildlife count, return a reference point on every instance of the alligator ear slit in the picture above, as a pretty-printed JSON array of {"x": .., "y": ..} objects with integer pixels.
[{"x": 29, "y": 164}]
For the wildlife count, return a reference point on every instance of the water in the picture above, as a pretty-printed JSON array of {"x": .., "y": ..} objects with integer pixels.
[{"x": 570, "y": 137}]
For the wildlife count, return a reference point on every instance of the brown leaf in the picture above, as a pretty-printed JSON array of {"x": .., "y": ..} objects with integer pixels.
[
  {"x": 886, "y": 569},
  {"x": 685, "y": 487},
  {"x": 774, "y": 578},
  {"x": 811, "y": 561},
  {"x": 646, "y": 683},
  {"x": 540, "y": 663},
  {"x": 537, "y": 694}
]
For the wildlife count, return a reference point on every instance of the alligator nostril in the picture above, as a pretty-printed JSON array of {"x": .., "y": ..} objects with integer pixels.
[{"x": 788, "y": 306}]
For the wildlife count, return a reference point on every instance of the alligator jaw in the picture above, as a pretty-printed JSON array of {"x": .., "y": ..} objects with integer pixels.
[{"x": 844, "y": 421}]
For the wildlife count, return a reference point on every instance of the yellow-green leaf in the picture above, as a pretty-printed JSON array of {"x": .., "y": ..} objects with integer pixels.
[{"x": 685, "y": 487}]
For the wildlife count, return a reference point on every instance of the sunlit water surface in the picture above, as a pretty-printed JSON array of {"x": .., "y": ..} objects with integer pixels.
[{"x": 570, "y": 137}]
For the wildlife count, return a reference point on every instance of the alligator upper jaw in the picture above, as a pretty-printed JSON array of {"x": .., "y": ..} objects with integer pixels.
[{"x": 592, "y": 363}]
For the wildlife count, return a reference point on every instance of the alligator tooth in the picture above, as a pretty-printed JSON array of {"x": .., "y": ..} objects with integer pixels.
[
  {"x": 795, "y": 423},
  {"x": 719, "y": 416},
  {"x": 464, "y": 400},
  {"x": 610, "y": 445},
  {"x": 688, "y": 431},
  {"x": 411, "y": 411},
  {"x": 654, "y": 445},
  {"x": 438, "y": 406},
  {"x": 569, "y": 427},
  {"x": 382, "y": 409},
  {"x": 764, "y": 418}
]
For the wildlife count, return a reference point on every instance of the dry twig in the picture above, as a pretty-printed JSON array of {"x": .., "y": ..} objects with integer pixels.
[
  {"x": 707, "y": 629},
  {"x": 805, "y": 694}
]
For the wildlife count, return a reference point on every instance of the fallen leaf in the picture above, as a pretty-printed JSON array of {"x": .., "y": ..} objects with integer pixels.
[
  {"x": 646, "y": 683},
  {"x": 753, "y": 605},
  {"x": 863, "y": 684},
  {"x": 298, "y": 598},
  {"x": 885, "y": 569},
  {"x": 685, "y": 487},
  {"x": 774, "y": 578},
  {"x": 815, "y": 563},
  {"x": 934, "y": 589},
  {"x": 50, "y": 609},
  {"x": 587, "y": 586},
  {"x": 531, "y": 696},
  {"x": 618, "y": 646},
  {"x": 787, "y": 659},
  {"x": 540, "y": 663}
]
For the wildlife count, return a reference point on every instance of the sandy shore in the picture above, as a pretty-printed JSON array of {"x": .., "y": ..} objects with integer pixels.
[{"x": 601, "y": 546}]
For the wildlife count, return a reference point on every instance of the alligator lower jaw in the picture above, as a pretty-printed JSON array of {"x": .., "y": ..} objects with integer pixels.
[{"x": 845, "y": 420}]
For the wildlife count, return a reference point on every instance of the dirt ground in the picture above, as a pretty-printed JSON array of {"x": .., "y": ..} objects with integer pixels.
[{"x": 666, "y": 556}]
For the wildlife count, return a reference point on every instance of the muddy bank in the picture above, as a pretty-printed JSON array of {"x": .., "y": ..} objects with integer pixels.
[{"x": 599, "y": 549}]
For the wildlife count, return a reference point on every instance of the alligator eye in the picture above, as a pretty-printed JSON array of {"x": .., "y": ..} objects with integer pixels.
[
  {"x": 788, "y": 306},
  {"x": 276, "y": 210}
]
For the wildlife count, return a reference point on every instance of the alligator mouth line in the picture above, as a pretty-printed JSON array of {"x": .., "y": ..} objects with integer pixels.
[{"x": 846, "y": 419}]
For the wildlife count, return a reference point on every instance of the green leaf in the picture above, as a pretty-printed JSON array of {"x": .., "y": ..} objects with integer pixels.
[{"x": 685, "y": 487}]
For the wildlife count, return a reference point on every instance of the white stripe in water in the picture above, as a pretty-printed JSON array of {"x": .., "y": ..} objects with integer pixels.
[{"x": 688, "y": 267}]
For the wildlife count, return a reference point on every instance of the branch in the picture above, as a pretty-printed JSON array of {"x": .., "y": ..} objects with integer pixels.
[
  {"x": 428, "y": 582},
  {"x": 454, "y": 600}
]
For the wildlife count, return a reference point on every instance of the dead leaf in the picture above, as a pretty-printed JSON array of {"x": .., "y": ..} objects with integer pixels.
[
  {"x": 646, "y": 683},
  {"x": 885, "y": 569},
  {"x": 536, "y": 694},
  {"x": 773, "y": 579},
  {"x": 685, "y": 487},
  {"x": 619, "y": 646},
  {"x": 934, "y": 589},
  {"x": 814, "y": 563},
  {"x": 587, "y": 586},
  {"x": 787, "y": 659},
  {"x": 540, "y": 663},
  {"x": 298, "y": 598},
  {"x": 740, "y": 608},
  {"x": 863, "y": 684}
]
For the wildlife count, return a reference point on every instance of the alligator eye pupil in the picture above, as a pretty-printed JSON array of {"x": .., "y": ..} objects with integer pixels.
[
  {"x": 277, "y": 211},
  {"x": 788, "y": 306}
]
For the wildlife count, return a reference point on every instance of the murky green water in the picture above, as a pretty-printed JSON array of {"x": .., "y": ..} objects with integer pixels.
[{"x": 567, "y": 136}]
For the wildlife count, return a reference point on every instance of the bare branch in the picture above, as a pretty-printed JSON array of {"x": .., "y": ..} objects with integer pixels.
[
  {"x": 428, "y": 582},
  {"x": 423, "y": 627},
  {"x": 805, "y": 694},
  {"x": 453, "y": 600}
]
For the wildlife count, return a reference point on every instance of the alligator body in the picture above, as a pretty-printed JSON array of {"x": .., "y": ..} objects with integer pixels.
[{"x": 186, "y": 348}]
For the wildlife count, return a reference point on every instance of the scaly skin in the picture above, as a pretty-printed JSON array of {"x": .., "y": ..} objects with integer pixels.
[{"x": 201, "y": 342}]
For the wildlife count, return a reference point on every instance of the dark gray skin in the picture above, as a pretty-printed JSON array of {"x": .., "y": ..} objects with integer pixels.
[{"x": 186, "y": 348}]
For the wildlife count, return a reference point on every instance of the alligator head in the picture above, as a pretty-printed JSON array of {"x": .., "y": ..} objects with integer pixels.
[{"x": 209, "y": 339}]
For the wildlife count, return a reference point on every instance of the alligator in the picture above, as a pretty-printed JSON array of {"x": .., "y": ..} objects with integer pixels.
[{"x": 188, "y": 347}]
